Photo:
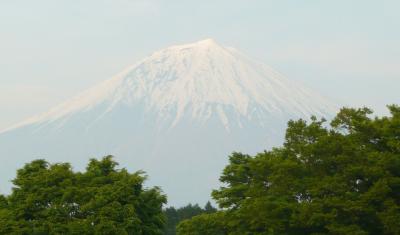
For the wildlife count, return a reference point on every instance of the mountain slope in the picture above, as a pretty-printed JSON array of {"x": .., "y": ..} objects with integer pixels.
[{"x": 176, "y": 114}]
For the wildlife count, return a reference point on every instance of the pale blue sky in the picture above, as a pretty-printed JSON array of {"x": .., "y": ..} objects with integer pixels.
[{"x": 52, "y": 49}]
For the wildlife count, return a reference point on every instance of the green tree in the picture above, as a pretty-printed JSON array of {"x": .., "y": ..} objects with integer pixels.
[
  {"x": 175, "y": 216},
  {"x": 203, "y": 224},
  {"x": 208, "y": 208},
  {"x": 342, "y": 179},
  {"x": 52, "y": 199}
]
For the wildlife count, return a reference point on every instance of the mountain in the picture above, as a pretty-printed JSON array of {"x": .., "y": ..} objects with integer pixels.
[{"x": 176, "y": 114}]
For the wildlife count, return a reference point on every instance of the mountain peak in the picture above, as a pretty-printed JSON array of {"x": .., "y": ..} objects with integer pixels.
[
  {"x": 176, "y": 113},
  {"x": 196, "y": 81},
  {"x": 207, "y": 41},
  {"x": 198, "y": 45}
]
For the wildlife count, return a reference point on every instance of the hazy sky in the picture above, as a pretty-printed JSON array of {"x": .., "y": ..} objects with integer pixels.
[{"x": 53, "y": 49}]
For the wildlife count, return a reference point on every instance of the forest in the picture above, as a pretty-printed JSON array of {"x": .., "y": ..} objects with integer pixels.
[{"x": 341, "y": 177}]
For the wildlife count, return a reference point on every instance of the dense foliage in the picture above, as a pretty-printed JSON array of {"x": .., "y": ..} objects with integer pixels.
[
  {"x": 342, "y": 179},
  {"x": 52, "y": 199},
  {"x": 174, "y": 216}
]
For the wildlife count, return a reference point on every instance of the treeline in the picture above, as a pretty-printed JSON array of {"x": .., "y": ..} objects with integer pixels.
[
  {"x": 336, "y": 178},
  {"x": 175, "y": 216}
]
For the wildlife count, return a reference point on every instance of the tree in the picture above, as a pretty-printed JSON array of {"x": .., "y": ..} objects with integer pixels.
[
  {"x": 175, "y": 216},
  {"x": 52, "y": 199},
  {"x": 208, "y": 208},
  {"x": 339, "y": 180},
  {"x": 203, "y": 224}
]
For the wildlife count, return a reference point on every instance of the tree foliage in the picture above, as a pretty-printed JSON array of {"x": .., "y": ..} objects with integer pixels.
[
  {"x": 52, "y": 199},
  {"x": 175, "y": 216},
  {"x": 342, "y": 179}
]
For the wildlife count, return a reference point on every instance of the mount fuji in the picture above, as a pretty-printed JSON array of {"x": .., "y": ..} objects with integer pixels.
[{"x": 177, "y": 114}]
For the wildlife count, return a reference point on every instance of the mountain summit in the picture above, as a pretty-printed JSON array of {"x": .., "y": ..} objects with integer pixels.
[
  {"x": 176, "y": 114},
  {"x": 196, "y": 81}
]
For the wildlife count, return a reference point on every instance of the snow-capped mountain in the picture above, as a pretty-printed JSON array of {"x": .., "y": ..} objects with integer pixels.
[{"x": 177, "y": 114}]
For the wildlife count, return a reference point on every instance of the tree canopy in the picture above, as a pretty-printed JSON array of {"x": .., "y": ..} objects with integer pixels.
[
  {"x": 175, "y": 216},
  {"x": 53, "y": 199},
  {"x": 337, "y": 179}
]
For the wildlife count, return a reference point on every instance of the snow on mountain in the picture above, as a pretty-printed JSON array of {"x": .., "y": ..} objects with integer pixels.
[
  {"x": 196, "y": 76},
  {"x": 182, "y": 108}
]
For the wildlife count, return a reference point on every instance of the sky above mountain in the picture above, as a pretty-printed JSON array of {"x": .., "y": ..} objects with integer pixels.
[{"x": 52, "y": 50}]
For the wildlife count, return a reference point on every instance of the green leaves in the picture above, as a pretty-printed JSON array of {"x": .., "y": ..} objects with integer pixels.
[
  {"x": 203, "y": 224},
  {"x": 175, "y": 216},
  {"x": 52, "y": 199},
  {"x": 339, "y": 180}
]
